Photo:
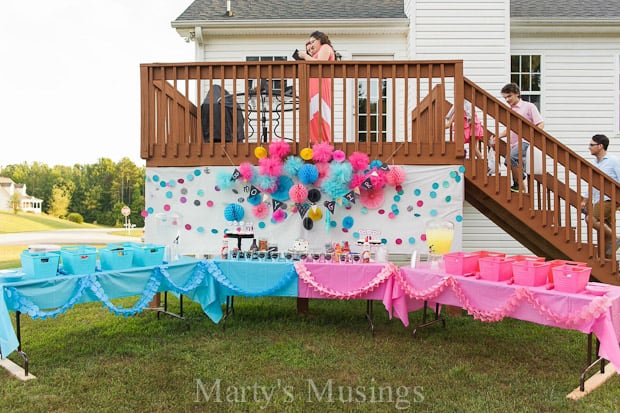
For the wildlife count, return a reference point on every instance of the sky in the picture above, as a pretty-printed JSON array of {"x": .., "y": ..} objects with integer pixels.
[{"x": 70, "y": 77}]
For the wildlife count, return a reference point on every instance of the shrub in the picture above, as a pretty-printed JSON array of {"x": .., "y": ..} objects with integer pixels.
[{"x": 75, "y": 217}]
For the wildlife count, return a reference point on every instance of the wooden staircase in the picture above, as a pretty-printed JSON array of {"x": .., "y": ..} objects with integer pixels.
[{"x": 546, "y": 218}]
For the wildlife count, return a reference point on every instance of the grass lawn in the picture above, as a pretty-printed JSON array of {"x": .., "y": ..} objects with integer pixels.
[
  {"x": 327, "y": 361},
  {"x": 271, "y": 359}
]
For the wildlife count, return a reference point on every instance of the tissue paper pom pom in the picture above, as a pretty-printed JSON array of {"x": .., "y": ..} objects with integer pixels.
[
  {"x": 341, "y": 172},
  {"x": 234, "y": 212},
  {"x": 308, "y": 223},
  {"x": 396, "y": 175},
  {"x": 378, "y": 179},
  {"x": 255, "y": 200},
  {"x": 260, "y": 152},
  {"x": 261, "y": 210},
  {"x": 356, "y": 181},
  {"x": 359, "y": 161},
  {"x": 334, "y": 189},
  {"x": 279, "y": 149},
  {"x": 308, "y": 174},
  {"x": 266, "y": 183},
  {"x": 339, "y": 156},
  {"x": 376, "y": 164},
  {"x": 322, "y": 152},
  {"x": 306, "y": 154},
  {"x": 278, "y": 215},
  {"x": 315, "y": 213},
  {"x": 223, "y": 180},
  {"x": 246, "y": 170},
  {"x": 314, "y": 195},
  {"x": 270, "y": 166},
  {"x": 292, "y": 165},
  {"x": 372, "y": 199},
  {"x": 284, "y": 183},
  {"x": 298, "y": 193}
]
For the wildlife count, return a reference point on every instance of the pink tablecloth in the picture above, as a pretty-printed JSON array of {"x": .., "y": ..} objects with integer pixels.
[
  {"x": 493, "y": 301},
  {"x": 355, "y": 282}
]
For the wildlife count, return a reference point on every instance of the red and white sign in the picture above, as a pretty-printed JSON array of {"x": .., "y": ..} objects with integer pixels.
[{"x": 125, "y": 211}]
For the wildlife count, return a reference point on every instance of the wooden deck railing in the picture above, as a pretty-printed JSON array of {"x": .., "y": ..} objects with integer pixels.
[
  {"x": 558, "y": 180},
  {"x": 373, "y": 108},
  {"x": 393, "y": 111}
]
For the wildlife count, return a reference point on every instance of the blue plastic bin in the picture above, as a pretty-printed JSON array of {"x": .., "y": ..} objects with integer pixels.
[
  {"x": 79, "y": 259},
  {"x": 40, "y": 264}
]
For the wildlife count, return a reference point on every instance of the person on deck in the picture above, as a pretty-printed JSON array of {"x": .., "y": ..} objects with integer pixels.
[{"x": 320, "y": 90}]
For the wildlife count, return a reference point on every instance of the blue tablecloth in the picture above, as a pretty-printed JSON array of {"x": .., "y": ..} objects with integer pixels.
[{"x": 49, "y": 297}]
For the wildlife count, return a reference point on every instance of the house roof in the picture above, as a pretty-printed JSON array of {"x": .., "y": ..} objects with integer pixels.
[
  {"x": 294, "y": 10},
  {"x": 565, "y": 9},
  {"x": 201, "y": 10}
]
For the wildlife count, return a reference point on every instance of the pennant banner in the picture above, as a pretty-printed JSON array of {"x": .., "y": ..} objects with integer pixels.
[
  {"x": 330, "y": 205},
  {"x": 302, "y": 209},
  {"x": 384, "y": 167},
  {"x": 235, "y": 175},
  {"x": 350, "y": 196},
  {"x": 276, "y": 204},
  {"x": 254, "y": 191},
  {"x": 367, "y": 184}
]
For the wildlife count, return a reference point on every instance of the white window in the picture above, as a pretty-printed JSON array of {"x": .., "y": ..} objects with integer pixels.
[{"x": 525, "y": 71}]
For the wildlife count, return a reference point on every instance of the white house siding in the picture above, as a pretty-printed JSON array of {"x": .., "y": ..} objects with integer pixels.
[
  {"x": 476, "y": 32},
  {"x": 579, "y": 87},
  {"x": 237, "y": 48}
]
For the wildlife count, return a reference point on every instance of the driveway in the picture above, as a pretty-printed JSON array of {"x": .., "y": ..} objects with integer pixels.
[{"x": 65, "y": 236}]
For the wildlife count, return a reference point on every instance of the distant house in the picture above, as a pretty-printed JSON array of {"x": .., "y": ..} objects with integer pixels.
[
  {"x": 564, "y": 54},
  {"x": 27, "y": 203}
]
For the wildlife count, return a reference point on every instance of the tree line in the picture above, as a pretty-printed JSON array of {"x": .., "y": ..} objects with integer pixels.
[{"x": 97, "y": 191}]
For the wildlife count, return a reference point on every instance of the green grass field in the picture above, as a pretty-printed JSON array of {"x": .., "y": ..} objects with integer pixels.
[{"x": 270, "y": 359}]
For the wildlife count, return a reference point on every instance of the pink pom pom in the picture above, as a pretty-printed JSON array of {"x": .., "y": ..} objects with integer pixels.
[
  {"x": 298, "y": 193},
  {"x": 270, "y": 166},
  {"x": 246, "y": 170},
  {"x": 356, "y": 181},
  {"x": 359, "y": 161},
  {"x": 339, "y": 156},
  {"x": 322, "y": 152},
  {"x": 396, "y": 176},
  {"x": 323, "y": 168},
  {"x": 261, "y": 210},
  {"x": 279, "y": 149},
  {"x": 378, "y": 178},
  {"x": 372, "y": 199},
  {"x": 278, "y": 215}
]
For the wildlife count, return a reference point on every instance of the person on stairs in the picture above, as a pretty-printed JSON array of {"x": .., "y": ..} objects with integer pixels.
[
  {"x": 611, "y": 166},
  {"x": 512, "y": 95}
]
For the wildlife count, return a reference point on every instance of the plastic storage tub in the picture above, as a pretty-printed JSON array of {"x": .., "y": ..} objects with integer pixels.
[
  {"x": 80, "y": 259},
  {"x": 40, "y": 264},
  {"x": 120, "y": 258},
  {"x": 495, "y": 268},
  {"x": 460, "y": 263},
  {"x": 570, "y": 278},
  {"x": 531, "y": 273}
]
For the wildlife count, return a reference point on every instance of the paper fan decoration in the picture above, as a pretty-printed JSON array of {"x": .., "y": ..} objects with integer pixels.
[
  {"x": 372, "y": 199},
  {"x": 315, "y": 213}
]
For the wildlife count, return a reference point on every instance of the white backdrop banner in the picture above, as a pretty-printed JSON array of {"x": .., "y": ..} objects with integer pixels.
[{"x": 200, "y": 204}]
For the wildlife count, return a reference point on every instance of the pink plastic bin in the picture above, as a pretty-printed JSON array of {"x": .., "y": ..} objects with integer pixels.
[
  {"x": 460, "y": 263},
  {"x": 530, "y": 273},
  {"x": 555, "y": 263},
  {"x": 482, "y": 254},
  {"x": 496, "y": 268},
  {"x": 570, "y": 278},
  {"x": 528, "y": 258}
]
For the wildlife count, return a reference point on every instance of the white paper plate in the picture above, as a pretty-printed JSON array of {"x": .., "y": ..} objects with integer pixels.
[{"x": 11, "y": 276}]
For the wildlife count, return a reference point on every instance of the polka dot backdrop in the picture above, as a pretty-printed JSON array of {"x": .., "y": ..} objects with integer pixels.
[{"x": 187, "y": 202}]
